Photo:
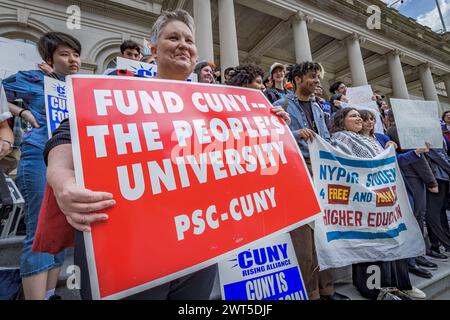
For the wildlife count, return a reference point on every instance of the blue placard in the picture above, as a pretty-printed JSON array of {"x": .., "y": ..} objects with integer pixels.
[
  {"x": 326, "y": 107},
  {"x": 281, "y": 285},
  {"x": 268, "y": 270},
  {"x": 56, "y": 103}
]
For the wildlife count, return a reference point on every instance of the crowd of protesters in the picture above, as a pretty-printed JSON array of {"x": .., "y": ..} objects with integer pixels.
[{"x": 296, "y": 94}]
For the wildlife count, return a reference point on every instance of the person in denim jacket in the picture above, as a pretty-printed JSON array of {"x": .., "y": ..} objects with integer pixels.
[
  {"x": 300, "y": 126},
  {"x": 307, "y": 121},
  {"x": 62, "y": 52}
]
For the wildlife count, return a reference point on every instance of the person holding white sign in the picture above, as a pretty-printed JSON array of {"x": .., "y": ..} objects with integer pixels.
[
  {"x": 445, "y": 126},
  {"x": 436, "y": 217},
  {"x": 62, "y": 52},
  {"x": 404, "y": 159}
]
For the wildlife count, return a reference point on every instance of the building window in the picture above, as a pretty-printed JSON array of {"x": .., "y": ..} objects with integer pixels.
[{"x": 112, "y": 64}]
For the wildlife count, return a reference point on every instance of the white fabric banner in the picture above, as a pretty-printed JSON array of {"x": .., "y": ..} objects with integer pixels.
[{"x": 366, "y": 215}]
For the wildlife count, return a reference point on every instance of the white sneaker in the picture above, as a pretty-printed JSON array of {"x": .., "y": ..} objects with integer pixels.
[{"x": 415, "y": 293}]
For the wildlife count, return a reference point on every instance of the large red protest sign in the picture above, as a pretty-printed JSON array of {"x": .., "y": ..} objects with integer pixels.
[{"x": 197, "y": 171}]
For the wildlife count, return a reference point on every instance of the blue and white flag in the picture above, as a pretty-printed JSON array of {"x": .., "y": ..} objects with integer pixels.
[
  {"x": 326, "y": 107},
  {"x": 267, "y": 270},
  {"x": 366, "y": 215},
  {"x": 55, "y": 103},
  {"x": 139, "y": 68}
]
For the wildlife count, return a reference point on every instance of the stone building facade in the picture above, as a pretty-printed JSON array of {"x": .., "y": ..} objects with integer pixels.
[{"x": 398, "y": 57}]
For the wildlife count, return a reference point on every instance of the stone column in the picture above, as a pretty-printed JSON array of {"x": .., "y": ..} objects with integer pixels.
[
  {"x": 301, "y": 37},
  {"x": 447, "y": 85},
  {"x": 428, "y": 86},
  {"x": 203, "y": 29},
  {"x": 229, "y": 54},
  {"x": 399, "y": 88},
  {"x": 355, "y": 61}
]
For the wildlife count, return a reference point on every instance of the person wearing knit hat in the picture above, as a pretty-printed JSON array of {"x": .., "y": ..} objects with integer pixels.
[{"x": 277, "y": 74}]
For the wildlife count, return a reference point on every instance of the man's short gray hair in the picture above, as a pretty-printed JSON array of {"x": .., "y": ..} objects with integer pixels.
[{"x": 165, "y": 18}]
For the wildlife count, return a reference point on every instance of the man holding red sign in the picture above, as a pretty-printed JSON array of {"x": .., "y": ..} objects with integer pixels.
[{"x": 158, "y": 146}]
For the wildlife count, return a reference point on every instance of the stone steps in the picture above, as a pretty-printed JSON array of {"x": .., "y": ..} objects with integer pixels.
[
  {"x": 433, "y": 287},
  {"x": 11, "y": 248}
]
